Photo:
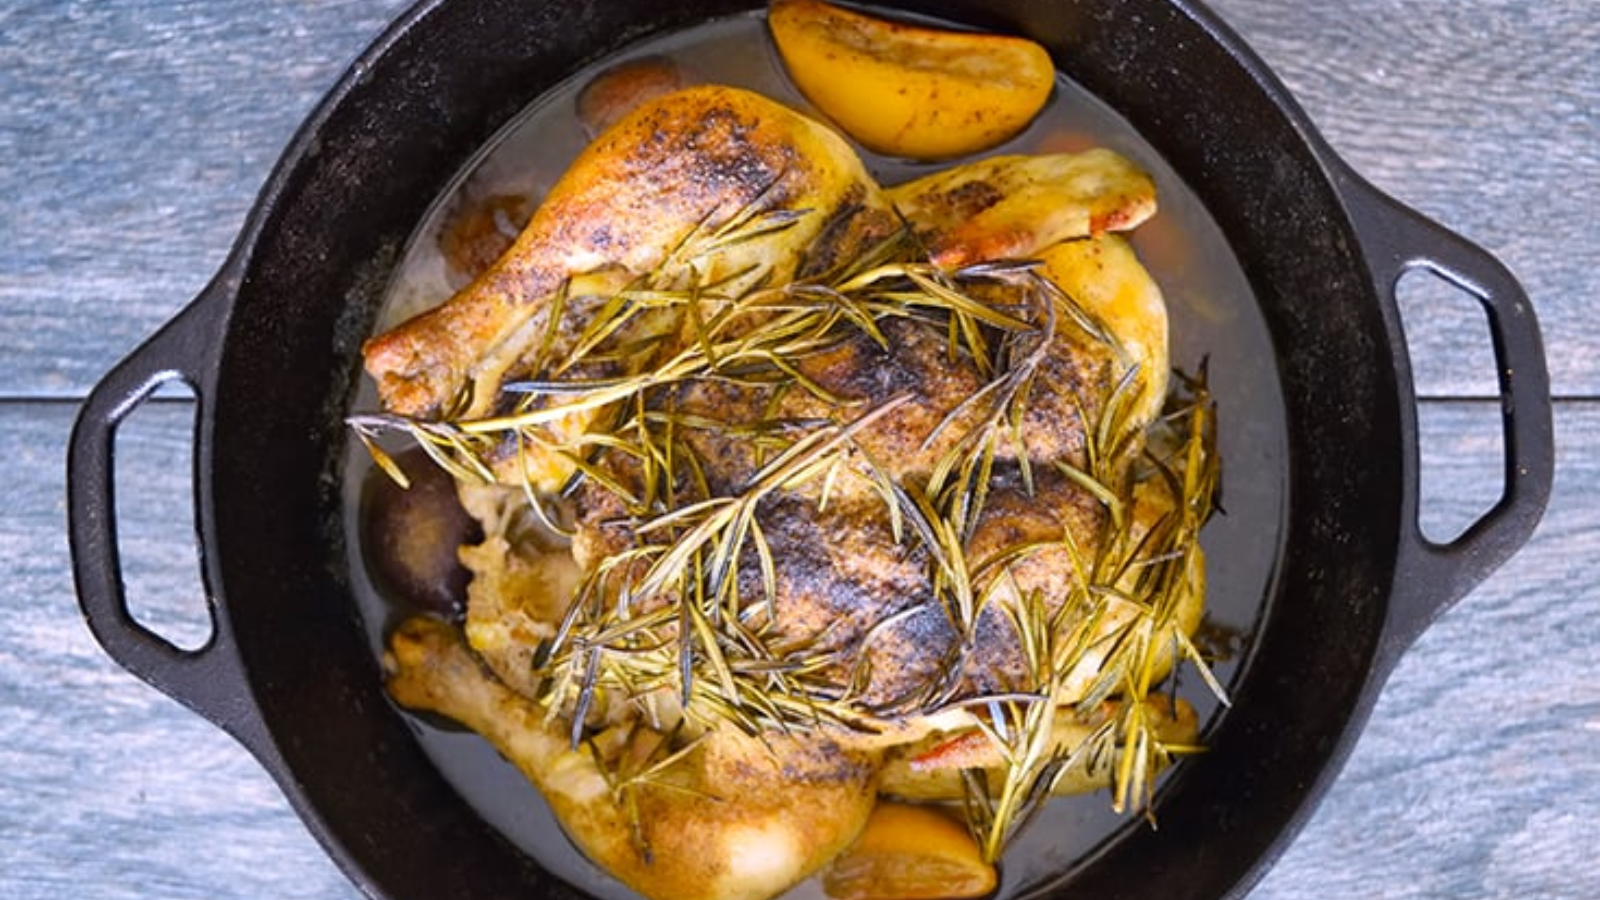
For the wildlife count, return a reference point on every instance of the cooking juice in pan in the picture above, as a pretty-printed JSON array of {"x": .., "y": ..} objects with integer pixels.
[{"x": 1214, "y": 322}]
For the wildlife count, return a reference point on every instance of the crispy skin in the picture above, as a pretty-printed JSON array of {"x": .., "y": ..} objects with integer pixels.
[
  {"x": 908, "y": 441},
  {"x": 685, "y": 163},
  {"x": 929, "y": 770},
  {"x": 1013, "y": 207},
  {"x": 844, "y": 583},
  {"x": 738, "y": 819},
  {"x": 1103, "y": 276},
  {"x": 746, "y": 817}
]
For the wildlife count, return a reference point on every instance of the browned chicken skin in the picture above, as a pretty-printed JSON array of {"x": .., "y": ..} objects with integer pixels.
[
  {"x": 648, "y": 200},
  {"x": 845, "y": 584},
  {"x": 669, "y": 170},
  {"x": 740, "y": 820}
]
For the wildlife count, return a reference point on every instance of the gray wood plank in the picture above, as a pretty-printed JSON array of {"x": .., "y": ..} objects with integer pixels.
[
  {"x": 1479, "y": 771},
  {"x": 108, "y": 790},
  {"x": 1476, "y": 778},
  {"x": 137, "y": 134},
  {"x": 1482, "y": 115},
  {"x": 133, "y": 139}
]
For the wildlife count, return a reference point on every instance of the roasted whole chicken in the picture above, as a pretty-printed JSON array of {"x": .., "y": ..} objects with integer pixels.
[{"x": 798, "y": 491}]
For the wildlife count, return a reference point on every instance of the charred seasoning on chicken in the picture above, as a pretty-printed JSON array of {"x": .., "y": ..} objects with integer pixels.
[{"x": 844, "y": 492}]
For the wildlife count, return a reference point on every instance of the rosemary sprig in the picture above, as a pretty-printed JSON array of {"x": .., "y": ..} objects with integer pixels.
[
  {"x": 1148, "y": 573},
  {"x": 667, "y": 615}
]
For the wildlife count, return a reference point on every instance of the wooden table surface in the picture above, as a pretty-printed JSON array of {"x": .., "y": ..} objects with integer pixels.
[{"x": 135, "y": 133}]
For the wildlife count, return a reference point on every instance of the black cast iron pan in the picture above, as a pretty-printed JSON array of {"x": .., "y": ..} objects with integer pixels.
[{"x": 270, "y": 349}]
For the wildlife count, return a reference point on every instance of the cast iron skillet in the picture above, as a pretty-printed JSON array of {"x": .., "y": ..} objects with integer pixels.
[{"x": 270, "y": 348}]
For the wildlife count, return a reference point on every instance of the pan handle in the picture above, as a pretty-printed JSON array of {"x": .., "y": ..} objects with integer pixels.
[
  {"x": 210, "y": 679},
  {"x": 1432, "y": 576}
]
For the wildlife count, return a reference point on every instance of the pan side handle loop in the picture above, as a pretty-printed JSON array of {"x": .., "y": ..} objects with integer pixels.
[
  {"x": 1432, "y": 576},
  {"x": 209, "y": 679}
]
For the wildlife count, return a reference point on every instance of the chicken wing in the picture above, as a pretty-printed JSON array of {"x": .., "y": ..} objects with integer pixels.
[{"x": 1013, "y": 207}]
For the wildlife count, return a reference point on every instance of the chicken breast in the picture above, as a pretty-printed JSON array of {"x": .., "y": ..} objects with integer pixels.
[{"x": 844, "y": 585}]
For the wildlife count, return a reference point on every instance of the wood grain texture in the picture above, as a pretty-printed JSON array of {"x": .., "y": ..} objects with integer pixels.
[
  {"x": 134, "y": 138},
  {"x": 1479, "y": 772},
  {"x": 135, "y": 134},
  {"x": 1485, "y": 116},
  {"x": 107, "y": 788}
]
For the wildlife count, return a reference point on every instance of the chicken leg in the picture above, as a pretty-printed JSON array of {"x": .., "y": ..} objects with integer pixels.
[
  {"x": 733, "y": 818},
  {"x": 675, "y": 169}
]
